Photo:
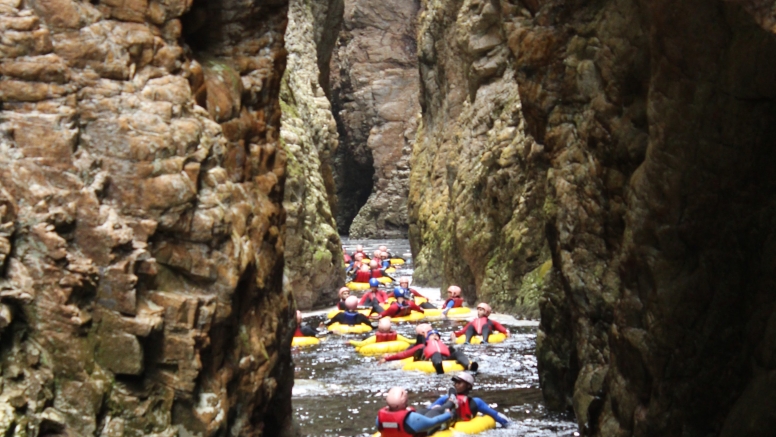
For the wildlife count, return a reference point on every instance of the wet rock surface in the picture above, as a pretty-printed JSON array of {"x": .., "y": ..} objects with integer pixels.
[
  {"x": 374, "y": 82},
  {"x": 313, "y": 254},
  {"x": 643, "y": 145},
  {"x": 141, "y": 226}
]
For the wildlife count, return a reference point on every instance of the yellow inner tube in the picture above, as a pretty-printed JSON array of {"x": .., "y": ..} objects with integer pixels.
[
  {"x": 358, "y": 285},
  {"x": 496, "y": 337},
  {"x": 476, "y": 425},
  {"x": 426, "y": 366},
  {"x": 304, "y": 341},
  {"x": 348, "y": 329},
  {"x": 453, "y": 313},
  {"x": 384, "y": 280},
  {"x": 396, "y": 261},
  {"x": 390, "y": 270},
  {"x": 385, "y": 347}
]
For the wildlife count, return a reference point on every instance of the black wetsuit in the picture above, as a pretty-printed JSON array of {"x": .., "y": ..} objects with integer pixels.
[{"x": 350, "y": 318}]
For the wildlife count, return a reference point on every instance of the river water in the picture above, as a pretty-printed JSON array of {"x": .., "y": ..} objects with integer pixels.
[{"x": 338, "y": 392}]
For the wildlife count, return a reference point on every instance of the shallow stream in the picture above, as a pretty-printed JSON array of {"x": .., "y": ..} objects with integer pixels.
[{"x": 338, "y": 392}]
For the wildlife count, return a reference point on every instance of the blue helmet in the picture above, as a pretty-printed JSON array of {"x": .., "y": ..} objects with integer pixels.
[
  {"x": 401, "y": 292},
  {"x": 433, "y": 332},
  {"x": 374, "y": 283}
]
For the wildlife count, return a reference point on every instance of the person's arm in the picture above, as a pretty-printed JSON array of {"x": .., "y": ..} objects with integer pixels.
[
  {"x": 382, "y": 296},
  {"x": 362, "y": 301},
  {"x": 483, "y": 408},
  {"x": 417, "y": 293},
  {"x": 416, "y": 423},
  {"x": 362, "y": 319},
  {"x": 336, "y": 319},
  {"x": 450, "y": 304},
  {"x": 499, "y": 327},
  {"x": 404, "y": 354},
  {"x": 463, "y": 331}
]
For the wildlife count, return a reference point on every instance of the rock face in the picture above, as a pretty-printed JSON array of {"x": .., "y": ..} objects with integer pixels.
[
  {"x": 141, "y": 235},
  {"x": 374, "y": 81},
  {"x": 313, "y": 270},
  {"x": 642, "y": 153}
]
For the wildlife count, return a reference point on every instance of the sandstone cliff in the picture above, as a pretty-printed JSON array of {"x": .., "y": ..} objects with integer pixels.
[
  {"x": 313, "y": 253},
  {"x": 142, "y": 228},
  {"x": 374, "y": 80},
  {"x": 642, "y": 155}
]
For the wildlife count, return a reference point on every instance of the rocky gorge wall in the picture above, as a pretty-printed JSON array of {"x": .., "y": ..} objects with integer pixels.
[
  {"x": 374, "y": 89},
  {"x": 632, "y": 143},
  {"x": 313, "y": 252},
  {"x": 142, "y": 231}
]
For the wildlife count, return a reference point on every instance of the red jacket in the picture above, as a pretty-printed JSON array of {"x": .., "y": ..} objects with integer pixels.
[
  {"x": 298, "y": 332},
  {"x": 391, "y": 423},
  {"x": 457, "y": 302},
  {"x": 405, "y": 354},
  {"x": 385, "y": 336},
  {"x": 395, "y": 310},
  {"x": 379, "y": 294},
  {"x": 362, "y": 276},
  {"x": 480, "y": 323},
  {"x": 434, "y": 346},
  {"x": 376, "y": 273}
]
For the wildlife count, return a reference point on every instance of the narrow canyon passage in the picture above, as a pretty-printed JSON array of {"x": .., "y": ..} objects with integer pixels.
[{"x": 337, "y": 392}]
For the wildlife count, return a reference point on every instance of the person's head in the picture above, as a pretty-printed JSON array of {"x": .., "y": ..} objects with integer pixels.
[
  {"x": 453, "y": 291},
  {"x": 423, "y": 329},
  {"x": 376, "y": 254},
  {"x": 383, "y": 255},
  {"x": 384, "y": 325},
  {"x": 404, "y": 281},
  {"x": 359, "y": 248},
  {"x": 383, "y": 248},
  {"x": 351, "y": 302},
  {"x": 483, "y": 309},
  {"x": 344, "y": 292},
  {"x": 374, "y": 283},
  {"x": 463, "y": 382},
  {"x": 298, "y": 317},
  {"x": 433, "y": 335},
  {"x": 359, "y": 256},
  {"x": 396, "y": 398},
  {"x": 373, "y": 264},
  {"x": 364, "y": 268}
]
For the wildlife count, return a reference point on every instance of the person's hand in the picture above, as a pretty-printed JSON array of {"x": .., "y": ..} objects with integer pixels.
[
  {"x": 321, "y": 325},
  {"x": 507, "y": 334},
  {"x": 382, "y": 360},
  {"x": 452, "y": 336}
]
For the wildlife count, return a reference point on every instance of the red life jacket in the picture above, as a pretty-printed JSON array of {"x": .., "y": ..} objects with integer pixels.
[
  {"x": 362, "y": 276},
  {"x": 376, "y": 273},
  {"x": 434, "y": 346},
  {"x": 464, "y": 411},
  {"x": 480, "y": 323},
  {"x": 457, "y": 302},
  {"x": 391, "y": 423},
  {"x": 298, "y": 332},
  {"x": 385, "y": 336}
]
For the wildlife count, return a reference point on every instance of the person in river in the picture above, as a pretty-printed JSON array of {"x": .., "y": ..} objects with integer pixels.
[
  {"x": 350, "y": 316},
  {"x": 346, "y": 258},
  {"x": 454, "y": 299},
  {"x": 399, "y": 420},
  {"x": 468, "y": 407},
  {"x": 359, "y": 250},
  {"x": 374, "y": 297},
  {"x": 402, "y": 306},
  {"x": 384, "y": 261},
  {"x": 404, "y": 285},
  {"x": 482, "y": 325},
  {"x": 436, "y": 351},
  {"x": 385, "y": 332},
  {"x": 364, "y": 274},
  {"x": 343, "y": 292},
  {"x": 303, "y": 330},
  {"x": 420, "y": 333},
  {"x": 376, "y": 271}
]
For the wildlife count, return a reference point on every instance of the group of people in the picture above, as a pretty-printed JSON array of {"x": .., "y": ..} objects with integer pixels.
[
  {"x": 397, "y": 419},
  {"x": 360, "y": 271}
]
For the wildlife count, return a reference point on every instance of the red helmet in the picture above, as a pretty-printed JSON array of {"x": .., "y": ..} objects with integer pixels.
[
  {"x": 486, "y": 307},
  {"x": 384, "y": 325},
  {"x": 351, "y": 302},
  {"x": 343, "y": 292},
  {"x": 454, "y": 290}
]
